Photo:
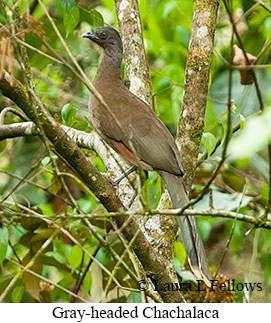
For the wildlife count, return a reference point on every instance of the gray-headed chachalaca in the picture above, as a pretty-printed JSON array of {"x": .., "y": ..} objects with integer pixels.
[{"x": 132, "y": 129}]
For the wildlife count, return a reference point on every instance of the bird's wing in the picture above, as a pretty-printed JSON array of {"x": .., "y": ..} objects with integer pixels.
[{"x": 140, "y": 127}]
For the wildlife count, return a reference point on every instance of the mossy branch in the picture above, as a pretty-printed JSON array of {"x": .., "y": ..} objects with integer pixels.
[{"x": 196, "y": 84}]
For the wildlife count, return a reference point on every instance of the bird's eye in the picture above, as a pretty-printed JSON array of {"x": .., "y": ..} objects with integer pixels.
[{"x": 103, "y": 34}]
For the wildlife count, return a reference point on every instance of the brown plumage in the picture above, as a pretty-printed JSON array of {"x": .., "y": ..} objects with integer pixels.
[{"x": 131, "y": 126}]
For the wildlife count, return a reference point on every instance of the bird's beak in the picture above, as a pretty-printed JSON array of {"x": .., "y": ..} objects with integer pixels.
[{"x": 92, "y": 36}]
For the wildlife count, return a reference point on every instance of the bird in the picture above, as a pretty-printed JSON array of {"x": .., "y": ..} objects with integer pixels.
[{"x": 129, "y": 126}]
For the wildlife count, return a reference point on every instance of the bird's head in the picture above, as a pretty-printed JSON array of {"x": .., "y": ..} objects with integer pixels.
[{"x": 106, "y": 37}]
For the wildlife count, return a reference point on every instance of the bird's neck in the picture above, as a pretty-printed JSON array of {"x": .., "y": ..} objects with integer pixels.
[{"x": 109, "y": 68}]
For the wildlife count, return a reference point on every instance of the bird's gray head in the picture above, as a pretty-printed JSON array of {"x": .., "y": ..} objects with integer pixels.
[{"x": 106, "y": 37}]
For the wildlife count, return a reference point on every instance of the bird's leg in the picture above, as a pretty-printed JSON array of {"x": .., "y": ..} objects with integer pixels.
[
  {"x": 125, "y": 174},
  {"x": 143, "y": 176},
  {"x": 131, "y": 200}
]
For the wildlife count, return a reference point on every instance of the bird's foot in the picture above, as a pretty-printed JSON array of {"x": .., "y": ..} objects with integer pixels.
[
  {"x": 131, "y": 200},
  {"x": 124, "y": 175}
]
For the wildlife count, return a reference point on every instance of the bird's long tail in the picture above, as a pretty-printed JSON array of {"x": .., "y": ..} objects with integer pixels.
[{"x": 190, "y": 233}]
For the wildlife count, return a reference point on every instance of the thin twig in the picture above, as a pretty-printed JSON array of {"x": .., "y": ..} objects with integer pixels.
[
  {"x": 254, "y": 255},
  {"x": 68, "y": 234},
  {"x": 12, "y": 110},
  {"x": 259, "y": 95},
  {"x": 260, "y": 98},
  {"x": 38, "y": 51},
  {"x": 6, "y": 211},
  {"x": 82, "y": 277},
  {"x": 21, "y": 181},
  {"x": 264, "y": 5},
  {"x": 226, "y": 249},
  {"x": 47, "y": 280},
  {"x": 45, "y": 189},
  {"x": 29, "y": 264}
]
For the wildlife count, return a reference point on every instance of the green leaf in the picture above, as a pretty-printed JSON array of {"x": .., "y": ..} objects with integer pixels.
[
  {"x": 183, "y": 32},
  {"x": 210, "y": 80},
  {"x": 31, "y": 224},
  {"x": 209, "y": 141},
  {"x": 97, "y": 18},
  {"x": 134, "y": 297},
  {"x": 68, "y": 113},
  {"x": 67, "y": 4},
  {"x": 168, "y": 8},
  {"x": 71, "y": 19},
  {"x": 3, "y": 244},
  {"x": 103, "y": 256},
  {"x": 180, "y": 252},
  {"x": 32, "y": 283},
  {"x": 224, "y": 130},
  {"x": 92, "y": 17},
  {"x": 45, "y": 161},
  {"x": 57, "y": 293},
  {"x": 187, "y": 276},
  {"x": 75, "y": 257},
  {"x": 87, "y": 283},
  {"x": 184, "y": 274},
  {"x": 22, "y": 6},
  {"x": 242, "y": 122},
  {"x": 238, "y": 236},
  {"x": 223, "y": 201},
  {"x": 98, "y": 163},
  {"x": 17, "y": 294},
  {"x": 265, "y": 191},
  {"x": 255, "y": 136},
  {"x": 205, "y": 228},
  {"x": 210, "y": 119},
  {"x": 51, "y": 261}
]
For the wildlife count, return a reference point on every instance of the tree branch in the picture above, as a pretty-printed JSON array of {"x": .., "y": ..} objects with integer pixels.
[
  {"x": 63, "y": 144},
  {"x": 257, "y": 223},
  {"x": 196, "y": 84},
  {"x": 137, "y": 71},
  {"x": 136, "y": 66}
]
